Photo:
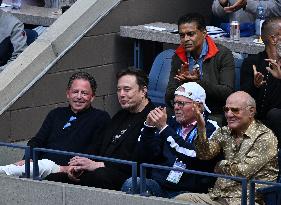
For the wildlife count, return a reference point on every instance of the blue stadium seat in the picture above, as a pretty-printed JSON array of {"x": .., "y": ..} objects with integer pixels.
[
  {"x": 272, "y": 195},
  {"x": 238, "y": 60},
  {"x": 31, "y": 36},
  {"x": 159, "y": 76}
]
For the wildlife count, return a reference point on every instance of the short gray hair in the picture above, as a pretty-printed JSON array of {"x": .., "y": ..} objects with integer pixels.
[{"x": 251, "y": 101}]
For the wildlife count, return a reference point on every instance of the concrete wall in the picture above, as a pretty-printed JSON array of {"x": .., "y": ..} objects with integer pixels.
[
  {"x": 101, "y": 52},
  {"x": 28, "y": 192},
  {"x": 11, "y": 155}
]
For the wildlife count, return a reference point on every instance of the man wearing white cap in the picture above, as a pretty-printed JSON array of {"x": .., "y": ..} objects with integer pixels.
[{"x": 171, "y": 144}]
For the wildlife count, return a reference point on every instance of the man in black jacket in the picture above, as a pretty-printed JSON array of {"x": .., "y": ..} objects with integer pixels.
[
  {"x": 260, "y": 83},
  {"x": 119, "y": 139},
  {"x": 75, "y": 128}
]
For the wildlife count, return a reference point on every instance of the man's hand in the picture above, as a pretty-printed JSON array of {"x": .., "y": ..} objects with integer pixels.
[
  {"x": 187, "y": 76},
  {"x": 274, "y": 68},
  {"x": 220, "y": 166},
  {"x": 258, "y": 78},
  {"x": 184, "y": 68},
  {"x": 199, "y": 117},
  {"x": 84, "y": 164},
  {"x": 157, "y": 118},
  {"x": 235, "y": 7},
  {"x": 21, "y": 162},
  {"x": 223, "y": 3},
  {"x": 73, "y": 174}
]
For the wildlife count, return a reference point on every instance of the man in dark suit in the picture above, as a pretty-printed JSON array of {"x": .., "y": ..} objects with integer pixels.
[{"x": 119, "y": 139}]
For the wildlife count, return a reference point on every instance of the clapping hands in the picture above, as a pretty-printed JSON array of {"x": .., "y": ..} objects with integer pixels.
[
  {"x": 274, "y": 68},
  {"x": 235, "y": 7},
  {"x": 187, "y": 76},
  {"x": 157, "y": 118}
]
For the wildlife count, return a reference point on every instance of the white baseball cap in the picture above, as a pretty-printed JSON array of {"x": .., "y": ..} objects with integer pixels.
[{"x": 194, "y": 92}]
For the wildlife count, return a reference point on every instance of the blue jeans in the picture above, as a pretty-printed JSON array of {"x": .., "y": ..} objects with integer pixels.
[{"x": 152, "y": 188}]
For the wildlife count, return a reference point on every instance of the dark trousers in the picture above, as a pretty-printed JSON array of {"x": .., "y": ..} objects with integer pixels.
[
  {"x": 6, "y": 50},
  {"x": 273, "y": 121},
  {"x": 106, "y": 178}
]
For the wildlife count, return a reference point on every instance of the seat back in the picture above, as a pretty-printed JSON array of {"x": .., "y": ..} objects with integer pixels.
[
  {"x": 159, "y": 76},
  {"x": 31, "y": 36},
  {"x": 238, "y": 60}
]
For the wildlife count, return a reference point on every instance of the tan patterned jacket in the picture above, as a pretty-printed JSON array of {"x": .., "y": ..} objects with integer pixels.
[{"x": 254, "y": 158}]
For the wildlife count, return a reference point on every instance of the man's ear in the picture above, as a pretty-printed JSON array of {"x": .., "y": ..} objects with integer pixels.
[
  {"x": 252, "y": 111},
  {"x": 67, "y": 93},
  {"x": 273, "y": 39},
  {"x": 201, "y": 107},
  {"x": 93, "y": 97},
  {"x": 144, "y": 89},
  {"x": 205, "y": 32}
]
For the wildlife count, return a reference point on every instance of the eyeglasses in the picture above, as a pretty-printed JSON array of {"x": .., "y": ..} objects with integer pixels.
[
  {"x": 181, "y": 103},
  {"x": 234, "y": 110}
]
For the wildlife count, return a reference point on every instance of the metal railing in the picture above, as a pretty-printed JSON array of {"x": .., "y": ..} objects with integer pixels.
[
  {"x": 118, "y": 161},
  {"x": 26, "y": 154},
  {"x": 145, "y": 165},
  {"x": 253, "y": 188}
]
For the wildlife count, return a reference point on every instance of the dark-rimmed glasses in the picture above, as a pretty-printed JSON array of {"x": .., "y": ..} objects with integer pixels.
[{"x": 181, "y": 103}]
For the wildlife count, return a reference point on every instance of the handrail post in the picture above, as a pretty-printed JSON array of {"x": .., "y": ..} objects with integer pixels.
[
  {"x": 244, "y": 192},
  {"x": 35, "y": 165},
  {"x": 252, "y": 193},
  {"x": 27, "y": 162},
  {"x": 134, "y": 176},
  {"x": 142, "y": 179},
  {"x": 243, "y": 180}
]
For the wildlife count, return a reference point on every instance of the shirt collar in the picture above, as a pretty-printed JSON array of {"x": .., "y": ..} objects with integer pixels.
[
  {"x": 190, "y": 125},
  {"x": 250, "y": 129},
  {"x": 81, "y": 112},
  {"x": 249, "y": 132}
]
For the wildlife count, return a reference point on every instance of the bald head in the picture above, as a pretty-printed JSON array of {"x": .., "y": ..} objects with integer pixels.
[
  {"x": 270, "y": 26},
  {"x": 244, "y": 98}
]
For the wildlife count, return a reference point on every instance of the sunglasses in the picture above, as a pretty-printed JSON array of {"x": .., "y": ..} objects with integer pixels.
[{"x": 234, "y": 110}]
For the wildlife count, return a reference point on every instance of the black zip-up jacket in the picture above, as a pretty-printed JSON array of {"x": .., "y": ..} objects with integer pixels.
[
  {"x": 64, "y": 130},
  {"x": 268, "y": 95}
]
